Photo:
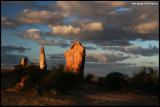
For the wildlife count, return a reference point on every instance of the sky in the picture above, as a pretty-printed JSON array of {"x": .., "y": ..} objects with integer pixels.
[{"x": 117, "y": 35}]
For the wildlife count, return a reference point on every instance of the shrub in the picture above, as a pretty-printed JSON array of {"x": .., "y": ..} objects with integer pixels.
[
  {"x": 100, "y": 82},
  {"x": 88, "y": 78},
  {"x": 43, "y": 81},
  {"x": 115, "y": 81},
  {"x": 19, "y": 72},
  {"x": 60, "y": 80},
  {"x": 34, "y": 76},
  {"x": 66, "y": 80},
  {"x": 145, "y": 82},
  {"x": 19, "y": 68}
]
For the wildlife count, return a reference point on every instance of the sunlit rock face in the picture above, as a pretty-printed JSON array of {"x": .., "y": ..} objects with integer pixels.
[
  {"x": 24, "y": 61},
  {"x": 75, "y": 59},
  {"x": 43, "y": 63}
]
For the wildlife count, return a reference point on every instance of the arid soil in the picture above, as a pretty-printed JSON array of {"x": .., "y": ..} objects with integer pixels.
[
  {"x": 87, "y": 95},
  {"x": 78, "y": 98},
  {"x": 17, "y": 99}
]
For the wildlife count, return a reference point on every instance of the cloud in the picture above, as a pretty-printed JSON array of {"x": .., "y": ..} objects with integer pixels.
[
  {"x": 60, "y": 43},
  {"x": 90, "y": 48},
  {"x": 95, "y": 22},
  {"x": 8, "y": 58},
  {"x": 80, "y": 8},
  {"x": 149, "y": 63},
  {"x": 29, "y": 17},
  {"x": 96, "y": 65},
  {"x": 63, "y": 30},
  {"x": 145, "y": 28},
  {"x": 95, "y": 26},
  {"x": 92, "y": 65},
  {"x": 10, "y": 48},
  {"x": 135, "y": 50},
  {"x": 8, "y": 23},
  {"x": 123, "y": 42},
  {"x": 39, "y": 37},
  {"x": 105, "y": 57},
  {"x": 117, "y": 26},
  {"x": 55, "y": 59},
  {"x": 102, "y": 69},
  {"x": 143, "y": 16},
  {"x": 32, "y": 34},
  {"x": 93, "y": 57},
  {"x": 36, "y": 17},
  {"x": 112, "y": 4},
  {"x": 68, "y": 30}
]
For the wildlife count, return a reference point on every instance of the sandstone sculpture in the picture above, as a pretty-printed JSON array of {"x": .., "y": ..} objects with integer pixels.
[
  {"x": 24, "y": 61},
  {"x": 43, "y": 63},
  {"x": 75, "y": 59}
]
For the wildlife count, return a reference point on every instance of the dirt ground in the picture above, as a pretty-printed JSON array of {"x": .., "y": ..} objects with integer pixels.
[
  {"x": 87, "y": 95},
  {"x": 17, "y": 99},
  {"x": 81, "y": 97}
]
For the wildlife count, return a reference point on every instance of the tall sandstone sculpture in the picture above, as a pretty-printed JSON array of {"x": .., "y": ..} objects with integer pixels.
[
  {"x": 24, "y": 61},
  {"x": 43, "y": 63},
  {"x": 75, "y": 59}
]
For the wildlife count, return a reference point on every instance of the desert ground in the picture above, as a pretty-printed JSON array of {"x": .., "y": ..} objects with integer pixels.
[{"x": 86, "y": 95}]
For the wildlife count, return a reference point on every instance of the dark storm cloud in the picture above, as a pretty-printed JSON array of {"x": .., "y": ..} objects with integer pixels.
[
  {"x": 9, "y": 48},
  {"x": 11, "y": 58},
  {"x": 8, "y": 59},
  {"x": 135, "y": 50}
]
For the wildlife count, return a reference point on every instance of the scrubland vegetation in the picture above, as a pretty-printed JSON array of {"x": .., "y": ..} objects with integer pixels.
[
  {"x": 143, "y": 82},
  {"x": 43, "y": 82}
]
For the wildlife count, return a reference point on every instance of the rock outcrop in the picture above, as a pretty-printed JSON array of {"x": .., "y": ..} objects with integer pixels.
[
  {"x": 75, "y": 59},
  {"x": 19, "y": 85},
  {"x": 43, "y": 63},
  {"x": 24, "y": 61}
]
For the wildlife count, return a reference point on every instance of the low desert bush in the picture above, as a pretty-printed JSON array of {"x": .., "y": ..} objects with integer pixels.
[
  {"x": 101, "y": 82},
  {"x": 66, "y": 80},
  {"x": 60, "y": 80},
  {"x": 88, "y": 78},
  {"x": 115, "y": 81},
  {"x": 145, "y": 81}
]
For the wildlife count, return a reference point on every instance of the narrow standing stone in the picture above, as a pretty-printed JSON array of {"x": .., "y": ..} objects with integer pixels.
[
  {"x": 43, "y": 63},
  {"x": 24, "y": 61}
]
